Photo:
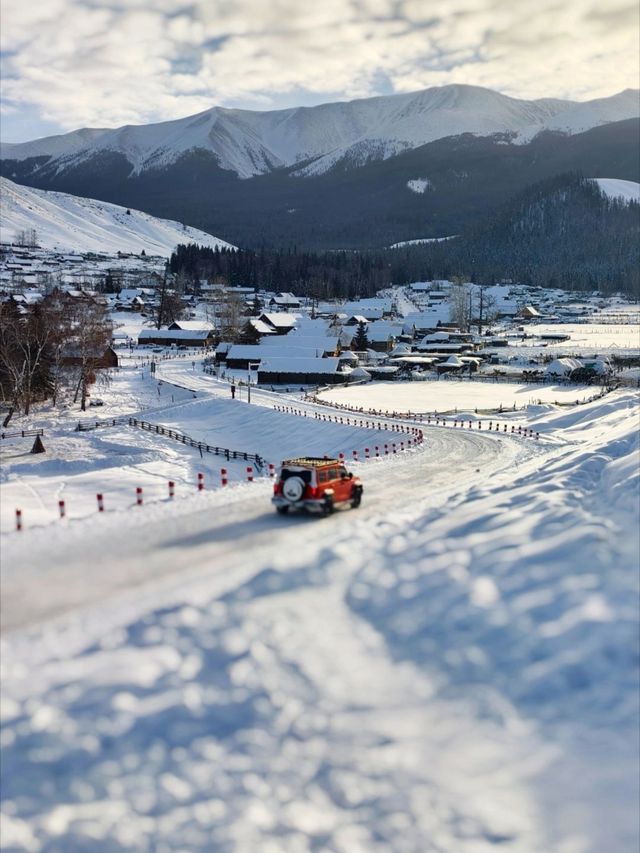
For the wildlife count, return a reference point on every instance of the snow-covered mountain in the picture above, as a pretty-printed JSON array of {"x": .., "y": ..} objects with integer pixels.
[
  {"x": 69, "y": 222},
  {"x": 316, "y": 138}
]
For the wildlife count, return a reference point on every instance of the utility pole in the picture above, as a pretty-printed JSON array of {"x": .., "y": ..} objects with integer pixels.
[{"x": 480, "y": 317}]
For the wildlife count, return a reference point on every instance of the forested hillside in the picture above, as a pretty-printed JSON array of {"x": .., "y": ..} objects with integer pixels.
[{"x": 563, "y": 232}]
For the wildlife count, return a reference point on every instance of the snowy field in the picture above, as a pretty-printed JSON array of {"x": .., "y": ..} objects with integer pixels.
[
  {"x": 449, "y": 395},
  {"x": 588, "y": 338},
  {"x": 451, "y": 667}
]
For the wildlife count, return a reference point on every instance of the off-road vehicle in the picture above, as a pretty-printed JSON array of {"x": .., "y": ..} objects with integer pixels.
[{"x": 315, "y": 485}]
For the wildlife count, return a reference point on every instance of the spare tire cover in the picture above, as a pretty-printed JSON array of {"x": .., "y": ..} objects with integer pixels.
[{"x": 293, "y": 488}]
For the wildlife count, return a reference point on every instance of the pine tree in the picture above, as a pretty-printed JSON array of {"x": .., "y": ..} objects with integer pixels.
[{"x": 361, "y": 339}]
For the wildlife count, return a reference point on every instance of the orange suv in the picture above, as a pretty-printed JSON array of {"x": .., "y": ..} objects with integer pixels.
[{"x": 316, "y": 485}]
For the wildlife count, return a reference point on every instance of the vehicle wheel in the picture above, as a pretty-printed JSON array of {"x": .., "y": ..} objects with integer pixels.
[
  {"x": 356, "y": 500},
  {"x": 327, "y": 508},
  {"x": 282, "y": 510}
]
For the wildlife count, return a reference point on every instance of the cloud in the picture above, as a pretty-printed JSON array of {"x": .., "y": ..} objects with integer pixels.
[{"x": 106, "y": 63}]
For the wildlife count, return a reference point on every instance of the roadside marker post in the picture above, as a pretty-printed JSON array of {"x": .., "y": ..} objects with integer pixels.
[
  {"x": 138, "y": 495},
  {"x": 200, "y": 482},
  {"x": 272, "y": 469},
  {"x": 249, "y": 474},
  {"x": 61, "y": 509},
  {"x": 18, "y": 519},
  {"x": 172, "y": 489},
  {"x": 100, "y": 502},
  {"x": 223, "y": 475}
]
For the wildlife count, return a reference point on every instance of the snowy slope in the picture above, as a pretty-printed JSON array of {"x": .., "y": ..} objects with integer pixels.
[
  {"x": 449, "y": 668},
  {"x": 73, "y": 223},
  {"x": 252, "y": 143},
  {"x": 615, "y": 188}
]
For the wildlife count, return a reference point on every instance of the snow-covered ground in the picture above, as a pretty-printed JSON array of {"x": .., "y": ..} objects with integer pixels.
[
  {"x": 624, "y": 190},
  {"x": 76, "y": 224},
  {"x": 451, "y": 667},
  {"x": 586, "y": 338},
  {"x": 449, "y": 395}
]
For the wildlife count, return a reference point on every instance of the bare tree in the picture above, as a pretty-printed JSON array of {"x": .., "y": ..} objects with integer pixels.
[
  {"x": 169, "y": 307},
  {"x": 91, "y": 331},
  {"x": 460, "y": 306},
  {"x": 24, "y": 340},
  {"x": 229, "y": 315}
]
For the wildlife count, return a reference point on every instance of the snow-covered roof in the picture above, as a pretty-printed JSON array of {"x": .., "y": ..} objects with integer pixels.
[
  {"x": 280, "y": 320},
  {"x": 299, "y": 365},
  {"x": 563, "y": 366},
  {"x": 382, "y": 330},
  {"x": 193, "y": 325},
  {"x": 261, "y": 327},
  {"x": 172, "y": 334}
]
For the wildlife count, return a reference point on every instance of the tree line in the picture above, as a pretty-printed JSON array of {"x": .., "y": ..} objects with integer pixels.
[
  {"x": 50, "y": 349},
  {"x": 562, "y": 232}
]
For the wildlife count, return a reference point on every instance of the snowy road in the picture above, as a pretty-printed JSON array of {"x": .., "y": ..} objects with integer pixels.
[{"x": 231, "y": 532}]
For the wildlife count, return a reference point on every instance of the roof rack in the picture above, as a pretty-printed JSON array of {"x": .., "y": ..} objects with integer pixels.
[{"x": 311, "y": 461}]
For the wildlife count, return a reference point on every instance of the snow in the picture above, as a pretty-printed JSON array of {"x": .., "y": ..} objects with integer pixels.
[
  {"x": 72, "y": 223},
  {"x": 449, "y": 395},
  {"x": 418, "y": 185},
  {"x": 420, "y": 240},
  {"x": 586, "y": 338},
  {"x": 615, "y": 188},
  {"x": 449, "y": 667},
  {"x": 252, "y": 143}
]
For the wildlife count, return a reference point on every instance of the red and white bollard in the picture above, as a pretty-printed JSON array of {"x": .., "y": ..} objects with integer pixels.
[
  {"x": 272, "y": 469},
  {"x": 355, "y": 455},
  {"x": 172, "y": 489},
  {"x": 61, "y": 509},
  {"x": 394, "y": 447},
  {"x": 223, "y": 476},
  {"x": 18, "y": 519},
  {"x": 402, "y": 445},
  {"x": 200, "y": 482},
  {"x": 139, "y": 495},
  {"x": 366, "y": 453},
  {"x": 377, "y": 450},
  {"x": 249, "y": 474},
  {"x": 100, "y": 500},
  {"x": 341, "y": 457},
  {"x": 386, "y": 450}
]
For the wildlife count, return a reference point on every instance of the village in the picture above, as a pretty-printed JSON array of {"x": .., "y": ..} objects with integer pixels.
[{"x": 416, "y": 332}]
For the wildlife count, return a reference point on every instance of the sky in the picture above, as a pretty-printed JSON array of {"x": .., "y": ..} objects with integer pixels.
[{"x": 105, "y": 63}]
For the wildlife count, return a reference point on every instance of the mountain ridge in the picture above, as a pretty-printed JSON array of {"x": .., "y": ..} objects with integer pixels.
[{"x": 317, "y": 138}]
